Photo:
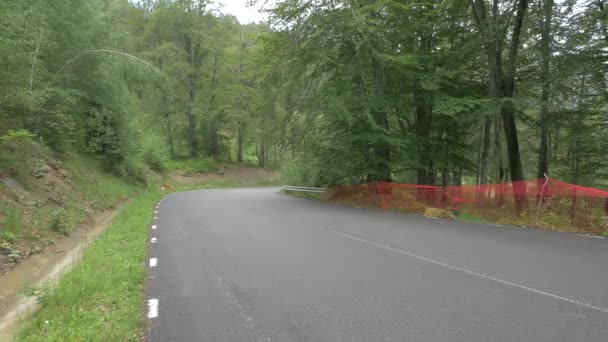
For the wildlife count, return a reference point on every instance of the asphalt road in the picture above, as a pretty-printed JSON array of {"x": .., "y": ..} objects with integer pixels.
[{"x": 255, "y": 265}]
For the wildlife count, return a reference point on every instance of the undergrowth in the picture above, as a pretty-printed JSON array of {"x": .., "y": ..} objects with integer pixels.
[{"x": 307, "y": 195}]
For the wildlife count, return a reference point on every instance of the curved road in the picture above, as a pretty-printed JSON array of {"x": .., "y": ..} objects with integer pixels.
[{"x": 255, "y": 265}]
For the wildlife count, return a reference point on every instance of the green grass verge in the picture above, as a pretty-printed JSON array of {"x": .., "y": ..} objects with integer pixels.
[
  {"x": 307, "y": 195},
  {"x": 101, "y": 298},
  {"x": 469, "y": 217}
]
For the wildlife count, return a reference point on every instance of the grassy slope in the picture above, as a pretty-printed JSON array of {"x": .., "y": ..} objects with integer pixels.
[{"x": 35, "y": 211}]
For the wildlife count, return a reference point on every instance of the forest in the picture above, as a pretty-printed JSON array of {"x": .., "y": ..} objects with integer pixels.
[{"x": 330, "y": 92}]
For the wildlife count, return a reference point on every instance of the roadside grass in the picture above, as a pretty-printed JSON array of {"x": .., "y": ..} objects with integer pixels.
[
  {"x": 101, "y": 298},
  {"x": 306, "y": 195},
  {"x": 470, "y": 217}
]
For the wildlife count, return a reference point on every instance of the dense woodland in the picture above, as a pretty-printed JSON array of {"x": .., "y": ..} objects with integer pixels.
[{"x": 327, "y": 91}]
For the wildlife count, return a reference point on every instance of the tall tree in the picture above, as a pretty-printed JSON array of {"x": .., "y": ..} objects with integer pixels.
[
  {"x": 545, "y": 22},
  {"x": 493, "y": 24}
]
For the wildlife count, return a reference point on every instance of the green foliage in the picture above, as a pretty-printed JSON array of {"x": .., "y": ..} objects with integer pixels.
[
  {"x": 40, "y": 293},
  {"x": 155, "y": 155},
  {"x": 101, "y": 189},
  {"x": 7, "y": 236},
  {"x": 57, "y": 222},
  {"x": 11, "y": 135},
  {"x": 10, "y": 221}
]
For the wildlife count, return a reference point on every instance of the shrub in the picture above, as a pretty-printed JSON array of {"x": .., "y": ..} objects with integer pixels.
[{"x": 17, "y": 135}]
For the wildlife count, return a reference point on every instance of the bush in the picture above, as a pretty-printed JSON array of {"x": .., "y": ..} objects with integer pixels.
[
  {"x": 156, "y": 157},
  {"x": 58, "y": 224},
  {"x": 132, "y": 170},
  {"x": 10, "y": 220},
  {"x": 17, "y": 135},
  {"x": 8, "y": 237}
]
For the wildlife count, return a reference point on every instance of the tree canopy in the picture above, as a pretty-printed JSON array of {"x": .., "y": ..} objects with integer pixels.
[{"x": 328, "y": 91}]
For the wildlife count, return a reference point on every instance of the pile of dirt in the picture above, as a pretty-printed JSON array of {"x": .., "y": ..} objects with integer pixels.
[
  {"x": 439, "y": 213},
  {"x": 228, "y": 172}
]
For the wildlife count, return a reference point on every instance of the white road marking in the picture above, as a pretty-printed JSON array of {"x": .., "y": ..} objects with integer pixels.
[
  {"x": 574, "y": 315},
  {"x": 154, "y": 227},
  {"x": 155, "y": 217},
  {"x": 156, "y": 211},
  {"x": 153, "y": 240},
  {"x": 464, "y": 270},
  {"x": 153, "y": 262},
  {"x": 152, "y": 308},
  {"x": 591, "y": 236}
]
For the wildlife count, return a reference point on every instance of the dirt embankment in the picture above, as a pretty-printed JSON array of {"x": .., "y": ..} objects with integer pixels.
[
  {"x": 236, "y": 173},
  {"x": 43, "y": 267},
  {"x": 26, "y": 208}
]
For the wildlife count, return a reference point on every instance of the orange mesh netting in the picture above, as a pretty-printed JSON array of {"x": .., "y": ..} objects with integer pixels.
[{"x": 543, "y": 203}]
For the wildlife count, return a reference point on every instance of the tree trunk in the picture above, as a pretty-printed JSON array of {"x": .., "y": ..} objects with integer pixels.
[
  {"x": 193, "y": 142},
  {"x": 578, "y": 125},
  {"x": 478, "y": 157},
  {"x": 485, "y": 151},
  {"x": 502, "y": 86},
  {"x": 508, "y": 115},
  {"x": 543, "y": 154},
  {"x": 382, "y": 150},
  {"x": 458, "y": 177},
  {"x": 500, "y": 170},
  {"x": 192, "y": 79},
  {"x": 422, "y": 127},
  {"x": 261, "y": 155},
  {"x": 239, "y": 157},
  {"x": 446, "y": 168},
  {"x": 169, "y": 134},
  {"x": 508, "y": 107}
]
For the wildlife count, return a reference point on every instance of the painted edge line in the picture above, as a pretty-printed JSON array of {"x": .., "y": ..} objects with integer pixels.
[
  {"x": 153, "y": 262},
  {"x": 152, "y": 308},
  {"x": 153, "y": 240},
  {"x": 477, "y": 274},
  {"x": 591, "y": 236},
  {"x": 154, "y": 227}
]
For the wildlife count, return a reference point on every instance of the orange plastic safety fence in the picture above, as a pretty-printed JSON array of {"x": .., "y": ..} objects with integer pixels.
[{"x": 543, "y": 202}]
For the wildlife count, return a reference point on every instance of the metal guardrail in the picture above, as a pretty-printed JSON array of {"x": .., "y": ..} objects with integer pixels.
[{"x": 302, "y": 189}]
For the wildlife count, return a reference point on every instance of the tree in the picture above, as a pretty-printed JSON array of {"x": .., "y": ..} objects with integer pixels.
[{"x": 493, "y": 25}]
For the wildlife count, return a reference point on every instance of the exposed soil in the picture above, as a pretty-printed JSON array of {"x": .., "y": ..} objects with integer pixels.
[
  {"x": 228, "y": 172},
  {"x": 42, "y": 267},
  {"x": 48, "y": 184}
]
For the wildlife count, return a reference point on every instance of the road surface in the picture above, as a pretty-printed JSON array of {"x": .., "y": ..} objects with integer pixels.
[{"x": 255, "y": 265}]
